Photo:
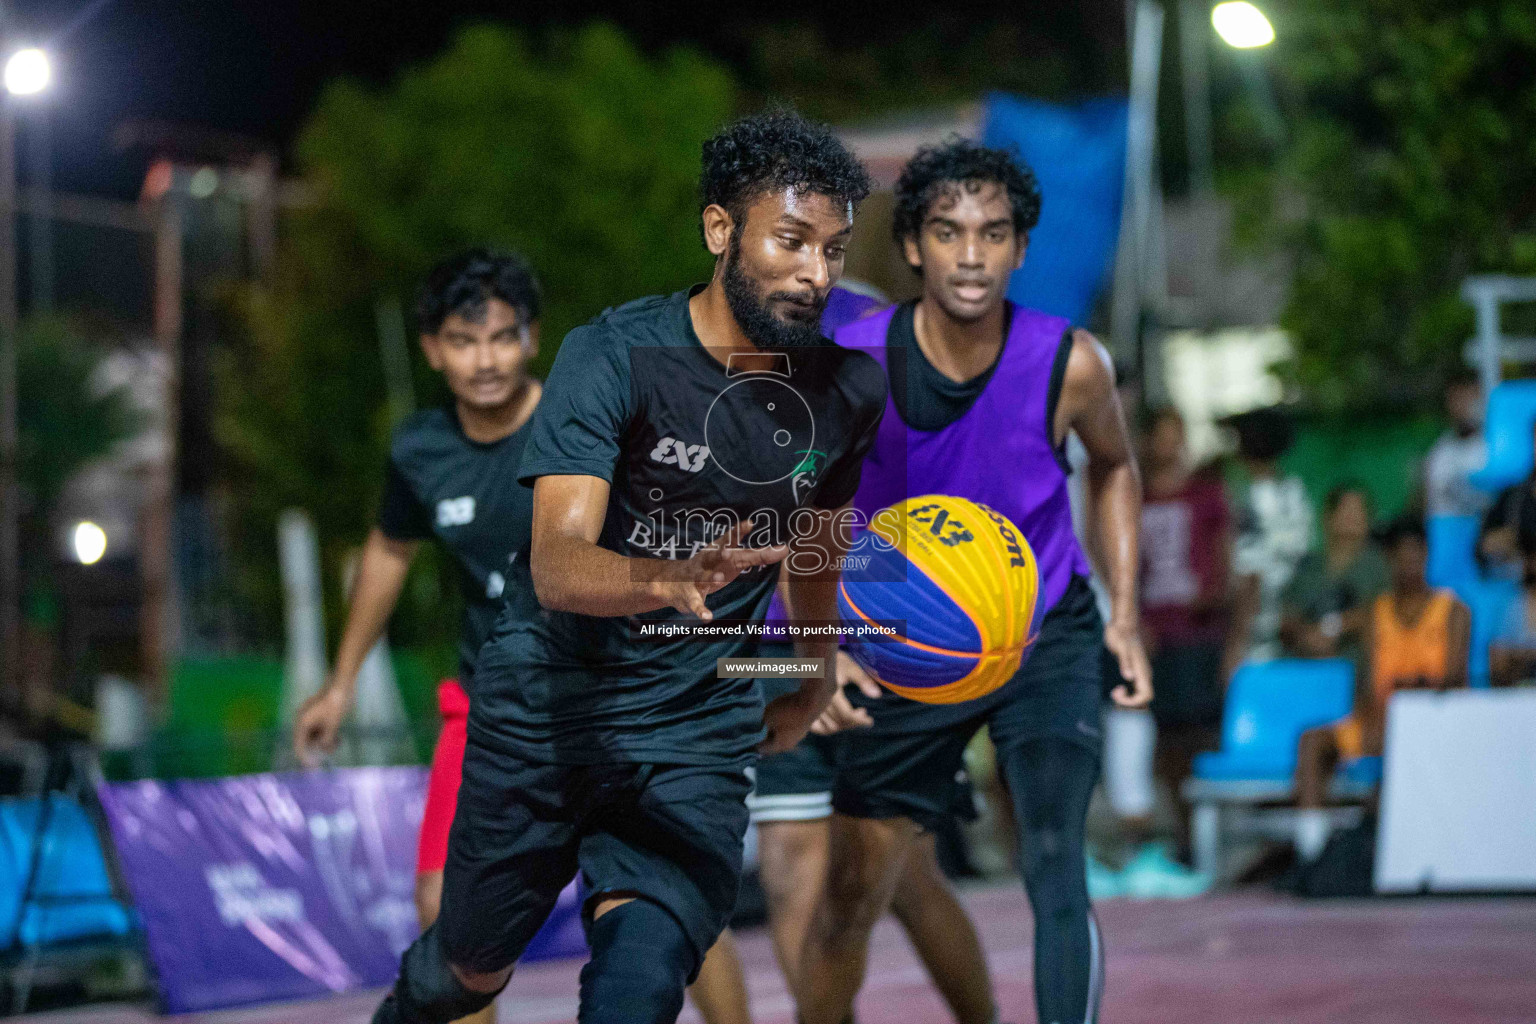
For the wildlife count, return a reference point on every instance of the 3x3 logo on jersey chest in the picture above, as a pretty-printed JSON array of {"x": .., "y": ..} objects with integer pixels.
[
  {"x": 456, "y": 511},
  {"x": 671, "y": 452}
]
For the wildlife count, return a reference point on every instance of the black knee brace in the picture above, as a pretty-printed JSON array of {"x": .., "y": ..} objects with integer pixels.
[
  {"x": 640, "y": 966},
  {"x": 427, "y": 991}
]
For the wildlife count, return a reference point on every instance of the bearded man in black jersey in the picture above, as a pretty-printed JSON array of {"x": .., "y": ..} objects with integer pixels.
[{"x": 686, "y": 445}]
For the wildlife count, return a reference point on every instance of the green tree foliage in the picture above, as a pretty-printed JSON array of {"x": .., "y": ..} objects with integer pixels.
[
  {"x": 953, "y": 60},
  {"x": 583, "y": 155},
  {"x": 579, "y": 151},
  {"x": 1411, "y": 154},
  {"x": 66, "y": 415}
]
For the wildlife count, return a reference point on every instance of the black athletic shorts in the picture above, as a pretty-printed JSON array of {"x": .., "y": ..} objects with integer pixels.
[
  {"x": 671, "y": 834},
  {"x": 797, "y": 784},
  {"x": 1189, "y": 688},
  {"x": 909, "y": 763}
]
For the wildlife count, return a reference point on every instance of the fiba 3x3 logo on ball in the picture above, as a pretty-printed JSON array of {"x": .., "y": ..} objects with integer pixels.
[{"x": 963, "y": 579}]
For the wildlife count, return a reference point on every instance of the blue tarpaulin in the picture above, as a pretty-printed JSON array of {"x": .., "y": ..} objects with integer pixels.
[
  {"x": 69, "y": 895},
  {"x": 1078, "y": 154}
]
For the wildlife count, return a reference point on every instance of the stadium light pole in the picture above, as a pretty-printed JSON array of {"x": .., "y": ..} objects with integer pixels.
[
  {"x": 1140, "y": 268},
  {"x": 26, "y": 72},
  {"x": 31, "y": 72},
  {"x": 1241, "y": 26}
]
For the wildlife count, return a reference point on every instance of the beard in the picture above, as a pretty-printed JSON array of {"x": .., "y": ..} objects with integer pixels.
[{"x": 755, "y": 317}]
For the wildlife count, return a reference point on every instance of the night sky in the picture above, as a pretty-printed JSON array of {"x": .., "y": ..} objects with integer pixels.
[{"x": 257, "y": 66}]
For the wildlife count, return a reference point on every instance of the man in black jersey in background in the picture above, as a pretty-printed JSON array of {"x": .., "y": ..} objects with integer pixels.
[
  {"x": 451, "y": 476},
  {"x": 686, "y": 445}
]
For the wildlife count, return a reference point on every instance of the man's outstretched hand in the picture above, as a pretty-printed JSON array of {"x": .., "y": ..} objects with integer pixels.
[
  {"x": 1124, "y": 642},
  {"x": 685, "y": 584},
  {"x": 841, "y": 714},
  {"x": 316, "y": 726},
  {"x": 787, "y": 719}
]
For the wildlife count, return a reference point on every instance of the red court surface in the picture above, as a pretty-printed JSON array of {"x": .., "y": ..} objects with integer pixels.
[{"x": 1228, "y": 959}]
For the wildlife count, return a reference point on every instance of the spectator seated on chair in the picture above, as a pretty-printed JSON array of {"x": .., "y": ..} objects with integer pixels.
[
  {"x": 1324, "y": 608},
  {"x": 1458, "y": 453},
  {"x": 1416, "y": 637},
  {"x": 1509, "y": 527},
  {"x": 1512, "y": 653}
]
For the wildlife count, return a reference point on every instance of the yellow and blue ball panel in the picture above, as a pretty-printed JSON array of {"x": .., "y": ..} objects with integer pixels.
[{"x": 965, "y": 584}]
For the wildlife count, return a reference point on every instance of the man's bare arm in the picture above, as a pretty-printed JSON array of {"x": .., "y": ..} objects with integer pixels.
[
  {"x": 1245, "y": 610},
  {"x": 1509, "y": 665},
  {"x": 1460, "y": 643},
  {"x": 1090, "y": 406},
  {"x": 381, "y": 574},
  {"x": 813, "y": 594},
  {"x": 573, "y": 573},
  {"x": 836, "y": 711}
]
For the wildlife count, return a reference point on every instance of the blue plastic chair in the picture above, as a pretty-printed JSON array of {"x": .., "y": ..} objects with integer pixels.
[
  {"x": 1269, "y": 706},
  {"x": 1362, "y": 773},
  {"x": 1507, "y": 425},
  {"x": 1452, "y": 550},
  {"x": 1488, "y": 600}
]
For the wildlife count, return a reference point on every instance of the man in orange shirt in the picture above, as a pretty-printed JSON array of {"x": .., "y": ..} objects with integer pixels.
[{"x": 1416, "y": 637}]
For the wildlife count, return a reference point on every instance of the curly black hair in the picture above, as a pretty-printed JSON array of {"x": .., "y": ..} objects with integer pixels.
[
  {"x": 463, "y": 284},
  {"x": 1262, "y": 434},
  {"x": 1407, "y": 526},
  {"x": 936, "y": 170},
  {"x": 775, "y": 150}
]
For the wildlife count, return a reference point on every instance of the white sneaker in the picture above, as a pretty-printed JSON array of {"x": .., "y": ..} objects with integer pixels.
[
  {"x": 1103, "y": 881},
  {"x": 1153, "y": 874}
]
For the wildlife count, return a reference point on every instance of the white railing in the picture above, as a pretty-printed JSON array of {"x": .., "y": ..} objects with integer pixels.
[{"x": 1491, "y": 347}]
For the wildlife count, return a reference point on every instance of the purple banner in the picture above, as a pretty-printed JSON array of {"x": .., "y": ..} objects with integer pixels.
[{"x": 269, "y": 887}]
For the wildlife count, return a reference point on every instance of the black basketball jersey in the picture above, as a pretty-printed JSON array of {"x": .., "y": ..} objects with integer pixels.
[
  {"x": 440, "y": 484},
  {"x": 691, "y": 448}
]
